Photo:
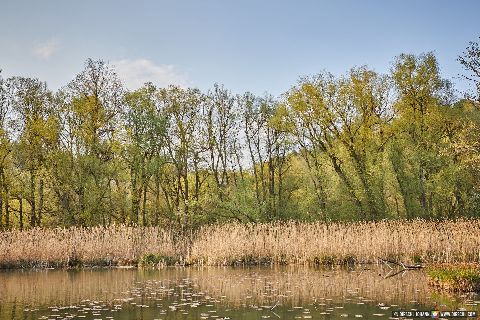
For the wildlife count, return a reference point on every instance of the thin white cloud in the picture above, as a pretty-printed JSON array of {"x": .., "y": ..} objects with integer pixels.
[
  {"x": 135, "y": 73},
  {"x": 46, "y": 49}
]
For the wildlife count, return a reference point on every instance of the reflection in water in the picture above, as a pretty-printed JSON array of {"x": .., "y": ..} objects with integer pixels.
[{"x": 216, "y": 293}]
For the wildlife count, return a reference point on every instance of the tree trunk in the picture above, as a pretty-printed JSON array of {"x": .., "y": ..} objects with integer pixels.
[
  {"x": 423, "y": 193},
  {"x": 360, "y": 168},
  {"x": 403, "y": 181},
  {"x": 144, "y": 209},
  {"x": 81, "y": 199},
  {"x": 254, "y": 167},
  {"x": 316, "y": 179},
  {"x": 157, "y": 200},
  {"x": 40, "y": 204},
  {"x": 1, "y": 209},
  {"x": 197, "y": 181},
  {"x": 135, "y": 200},
  {"x": 33, "y": 218},
  {"x": 186, "y": 195},
  {"x": 343, "y": 177},
  {"x": 7, "y": 210},
  {"x": 20, "y": 213},
  {"x": 271, "y": 187},
  {"x": 2, "y": 187}
]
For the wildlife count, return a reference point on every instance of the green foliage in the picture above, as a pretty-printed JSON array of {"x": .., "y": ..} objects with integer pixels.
[
  {"x": 361, "y": 146},
  {"x": 455, "y": 278},
  {"x": 454, "y": 274},
  {"x": 151, "y": 260}
]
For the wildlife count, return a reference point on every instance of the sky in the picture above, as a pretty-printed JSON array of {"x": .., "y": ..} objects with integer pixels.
[{"x": 257, "y": 46}]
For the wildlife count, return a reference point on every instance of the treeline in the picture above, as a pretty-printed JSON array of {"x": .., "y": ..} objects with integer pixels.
[{"x": 362, "y": 146}]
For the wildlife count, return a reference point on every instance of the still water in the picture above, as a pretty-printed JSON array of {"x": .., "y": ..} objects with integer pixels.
[{"x": 219, "y": 293}]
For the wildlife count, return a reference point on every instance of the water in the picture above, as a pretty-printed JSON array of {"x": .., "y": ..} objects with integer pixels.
[{"x": 219, "y": 293}]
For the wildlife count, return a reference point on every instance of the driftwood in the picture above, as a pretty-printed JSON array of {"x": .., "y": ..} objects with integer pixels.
[{"x": 404, "y": 267}]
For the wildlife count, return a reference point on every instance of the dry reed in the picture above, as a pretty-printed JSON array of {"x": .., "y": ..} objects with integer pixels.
[
  {"x": 273, "y": 243},
  {"x": 309, "y": 243},
  {"x": 114, "y": 245}
]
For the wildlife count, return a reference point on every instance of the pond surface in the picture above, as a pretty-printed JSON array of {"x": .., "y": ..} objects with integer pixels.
[{"x": 219, "y": 293}]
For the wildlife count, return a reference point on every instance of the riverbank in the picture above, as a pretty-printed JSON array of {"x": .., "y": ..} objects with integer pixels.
[
  {"x": 317, "y": 243},
  {"x": 454, "y": 277}
]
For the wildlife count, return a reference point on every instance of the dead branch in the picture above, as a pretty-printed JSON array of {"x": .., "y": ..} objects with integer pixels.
[{"x": 404, "y": 267}]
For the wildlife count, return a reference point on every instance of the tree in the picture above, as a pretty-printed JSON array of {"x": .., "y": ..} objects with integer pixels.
[
  {"x": 5, "y": 153},
  {"x": 145, "y": 130},
  {"x": 222, "y": 135},
  {"x": 38, "y": 130},
  {"x": 185, "y": 147},
  {"x": 362, "y": 146},
  {"x": 419, "y": 87},
  {"x": 95, "y": 101},
  {"x": 470, "y": 61},
  {"x": 343, "y": 119}
]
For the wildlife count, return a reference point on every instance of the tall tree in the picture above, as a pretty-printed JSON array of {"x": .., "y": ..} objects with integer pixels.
[
  {"x": 145, "y": 128},
  {"x": 222, "y": 134},
  {"x": 470, "y": 61},
  {"x": 5, "y": 152},
  {"x": 185, "y": 147},
  {"x": 343, "y": 119},
  {"x": 95, "y": 101},
  {"x": 419, "y": 87},
  {"x": 38, "y": 130}
]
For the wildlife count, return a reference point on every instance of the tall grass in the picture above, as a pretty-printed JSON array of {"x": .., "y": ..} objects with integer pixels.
[
  {"x": 272, "y": 243},
  {"x": 114, "y": 245},
  {"x": 307, "y": 243}
]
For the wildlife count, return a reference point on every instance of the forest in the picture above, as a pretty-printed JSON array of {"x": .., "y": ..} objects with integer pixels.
[{"x": 361, "y": 146}]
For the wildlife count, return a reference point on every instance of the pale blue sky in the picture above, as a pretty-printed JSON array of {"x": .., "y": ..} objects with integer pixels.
[{"x": 246, "y": 45}]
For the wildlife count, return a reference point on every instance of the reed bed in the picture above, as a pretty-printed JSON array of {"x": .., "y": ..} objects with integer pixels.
[
  {"x": 320, "y": 243},
  {"x": 113, "y": 245},
  {"x": 229, "y": 244}
]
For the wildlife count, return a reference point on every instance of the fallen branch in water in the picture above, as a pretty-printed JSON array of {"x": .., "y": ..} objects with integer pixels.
[{"x": 404, "y": 266}]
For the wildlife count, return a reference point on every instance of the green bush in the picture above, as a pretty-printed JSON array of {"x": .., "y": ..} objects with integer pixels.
[{"x": 151, "y": 260}]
